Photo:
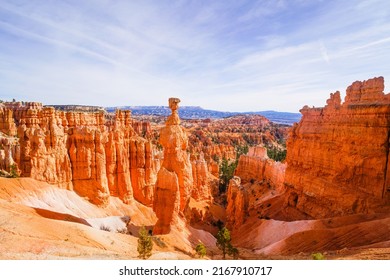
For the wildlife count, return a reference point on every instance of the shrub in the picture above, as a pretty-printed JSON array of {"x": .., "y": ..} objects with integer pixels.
[
  {"x": 122, "y": 230},
  {"x": 105, "y": 228},
  {"x": 226, "y": 172},
  {"x": 145, "y": 244},
  {"x": 276, "y": 154},
  {"x": 13, "y": 171},
  {"x": 201, "y": 250},
  {"x": 241, "y": 150},
  {"x": 318, "y": 256}
]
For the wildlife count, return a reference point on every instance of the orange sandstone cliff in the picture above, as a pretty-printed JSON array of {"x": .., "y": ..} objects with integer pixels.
[
  {"x": 90, "y": 152},
  {"x": 257, "y": 166},
  {"x": 257, "y": 179},
  {"x": 337, "y": 159},
  {"x": 336, "y": 165},
  {"x": 202, "y": 181},
  {"x": 334, "y": 181}
]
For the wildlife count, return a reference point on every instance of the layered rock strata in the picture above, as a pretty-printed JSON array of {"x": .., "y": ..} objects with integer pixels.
[
  {"x": 337, "y": 163},
  {"x": 257, "y": 179},
  {"x": 89, "y": 152},
  {"x": 256, "y": 166},
  {"x": 7, "y": 123},
  {"x": 143, "y": 168},
  {"x": 174, "y": 179},
  {"x": 338, "y": 156},
  {"x": 88, "y": 161},
  {"x": 201, "y": 176},
  {"x": 237, "y": 206}
]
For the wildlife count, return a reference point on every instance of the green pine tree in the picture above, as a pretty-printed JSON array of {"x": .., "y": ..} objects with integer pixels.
[
  {"x": 233, "y": 251},
  {"x": 201, "y": 250},
  {"x": 226, "y": 172},
  {"x": 14, "y": 171},
  {"x": 145, "y": 244},
  {"x": 223, "y": 241}
]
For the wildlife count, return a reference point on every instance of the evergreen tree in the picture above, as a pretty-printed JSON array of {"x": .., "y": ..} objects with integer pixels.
[
  {"x": 226, "y": 172},
  {"x": 223, "y": 241},
  {"x": 201, "y": 250},
  {"x": 145, "y": 244},
  {"x": 241, "y": 150},
  {"x": 276, "y": 154},
  {"x": 233, "y": 251},
  {"x": 226, "y": 168}
]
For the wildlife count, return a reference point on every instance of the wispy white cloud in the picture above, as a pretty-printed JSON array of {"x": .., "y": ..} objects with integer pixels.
[
  {"x": 324, "y": 51},
  {"x": 263, "y": 9},
  {"x": 228, "y": 55}
]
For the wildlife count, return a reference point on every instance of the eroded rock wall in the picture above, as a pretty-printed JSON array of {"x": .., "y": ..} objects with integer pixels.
[
  {"x": 256, "y": 166},
  {"x": 43, "y": 144},
  {"x": 94, "y": 154},
  {"x": 257, "y": 179},
  {"x": 337, "y": 156},
  {"x": 143, "y": 169},
  {"x": 237, "y": 203},
  {"x": 337, "y": 163},
  {"x": 7, "y": 123},
  {"x": 202, "y": 187}
]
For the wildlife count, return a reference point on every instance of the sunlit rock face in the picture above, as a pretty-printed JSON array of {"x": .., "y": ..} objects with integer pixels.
[
  {"x": 256, "y": 176},
  {"x": 337, "y": 156},
  {"x": 90, "y": 152},
  {"x": 257, "y": 166},
  {"x": 201, "y": 176},
  {"x": 237, "y": 206},
  {"x": 174, "y": 180}
]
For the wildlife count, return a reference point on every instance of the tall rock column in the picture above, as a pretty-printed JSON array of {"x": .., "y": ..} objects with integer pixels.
[
  {"x": 174, "y": 180},
  {"x": 117, "y": 151},
  {"x": 237, "y": 207},
  {"x": 7, "y": 123},
  {"x": 143, "y": 176},
  {"x": 88, "y": 158},
  {"x": 200, "y": 173}
]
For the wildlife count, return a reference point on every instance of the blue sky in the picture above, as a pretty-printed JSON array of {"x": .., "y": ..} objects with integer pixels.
[{"x": 225, "y": 55}]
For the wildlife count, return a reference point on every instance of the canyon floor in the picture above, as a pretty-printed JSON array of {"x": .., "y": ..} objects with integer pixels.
[{"x": 41, "y": 221}]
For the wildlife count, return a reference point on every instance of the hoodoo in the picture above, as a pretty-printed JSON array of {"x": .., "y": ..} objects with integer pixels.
[
  {"x": 90, "y": 152},
  {"x": 174, "y": 180},
  {"x": 325, "y": 196}
]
